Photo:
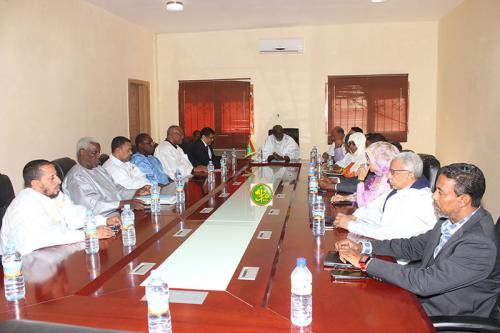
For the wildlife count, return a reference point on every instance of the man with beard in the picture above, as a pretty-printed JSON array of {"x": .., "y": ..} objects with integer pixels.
[
  {"x": 457, "y": 270},
  {"x": 41, "y": 215}
]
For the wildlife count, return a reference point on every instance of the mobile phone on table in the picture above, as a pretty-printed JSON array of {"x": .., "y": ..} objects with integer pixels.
[{"x": 348, "y": 275}]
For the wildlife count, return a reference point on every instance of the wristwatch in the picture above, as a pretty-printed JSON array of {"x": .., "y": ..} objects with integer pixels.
[{"x": 363, "y": 262}]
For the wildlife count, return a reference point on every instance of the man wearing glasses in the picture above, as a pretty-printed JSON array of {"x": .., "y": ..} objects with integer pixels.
[
  {"x": 457, "y": 269},
  {"x": 90, "y": 185},
  {"x": 404, "y": 212}
]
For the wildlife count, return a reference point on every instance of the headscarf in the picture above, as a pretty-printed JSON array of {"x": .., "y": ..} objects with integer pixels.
[
  {"x": 380, "y": 155},
  {"x": 358, "y": 157}
]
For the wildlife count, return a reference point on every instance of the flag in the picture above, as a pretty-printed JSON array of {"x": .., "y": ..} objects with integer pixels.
[{"x": 250, "y": 148}]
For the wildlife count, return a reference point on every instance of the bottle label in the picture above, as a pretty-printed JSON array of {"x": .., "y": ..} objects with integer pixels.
[
  {"x": 302, "y": 289},
  {"x": 127, "y": 223},
  {"x": 91, "y": 230},
  {"x": 12, "y": 269},
  {"x": 179, "y": 188},
  {"x": 157, "y": 304}
]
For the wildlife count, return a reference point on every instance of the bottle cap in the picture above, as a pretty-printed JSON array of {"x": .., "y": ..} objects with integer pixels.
[
  {"x": 127, "y": 206},
  {"x": 301, "y": 262},
  {"x": 156, "y": 274},
  {"x": 88, "y": 213}
]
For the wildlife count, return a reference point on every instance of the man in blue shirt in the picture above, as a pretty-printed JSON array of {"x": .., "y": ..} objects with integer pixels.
[{"x": 144, "y": 159}]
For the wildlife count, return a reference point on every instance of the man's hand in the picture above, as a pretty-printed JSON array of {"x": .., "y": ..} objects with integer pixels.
[
  {"x": 350, "y": 255},
  {"x": 286, "y": 158},
  {"x": 145, "y": 190},
  {"x": 341, "y": 220},
  {"x": 104, "y": 232},
  {"x": 201, "y": 168},
  {"x": 362, "y": 172},
  {"x": 340, "y": 197},
  {"x": 348, "y": 244},
  {"x": 113, "y": 220},
  {"x": 278, "y": 157},
  {"x": 134, "y": 203},
  {"x": 270, "y": 158}
]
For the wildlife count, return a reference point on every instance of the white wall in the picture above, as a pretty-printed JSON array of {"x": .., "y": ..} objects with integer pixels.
[
  {"x": 468, "y": 114},
  {"x": 64, "y": 71},
  {"x": 292, "y": 85}
]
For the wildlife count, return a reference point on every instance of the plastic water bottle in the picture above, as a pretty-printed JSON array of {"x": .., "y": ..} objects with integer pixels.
[
  {"x": 260, "y": 156},
  {"x": 223, "y": 165},
  {"x": 313, "y": 185},
  {"x": 313, "y": 155},
  {"x": 211, "y": 169},
  {"x": 318, "y": 215},
  {"x": 180, "y": 196},
  {"x": 301, "y": 300},
  {"x": 128, "y": 229},
  {"x": 13, "y": 279},
  {"x": 91, "y": 239},
  {"x": 330, "y": 162},
  {"x": 158, "y": 309},
  {"x": 312, "y": 170},
  {"x": 155, "y": 198},
  {"x": 319, "y": 169}
]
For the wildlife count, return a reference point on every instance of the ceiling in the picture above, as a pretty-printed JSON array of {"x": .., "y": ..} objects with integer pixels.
[{"x": 209, "y": 15}]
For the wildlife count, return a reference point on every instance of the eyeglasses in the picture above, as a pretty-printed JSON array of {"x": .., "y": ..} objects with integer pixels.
[{"x": 393, "y": 171}]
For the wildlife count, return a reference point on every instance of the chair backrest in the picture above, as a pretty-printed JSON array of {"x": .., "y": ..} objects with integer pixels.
[
  {"x": 431, "y": 168},
  {"x": 63, "y": 165},
  {"x": 6, "y": 195},
  {"x": 293, "y": 132},
  {"x": 103, "y": 158}
]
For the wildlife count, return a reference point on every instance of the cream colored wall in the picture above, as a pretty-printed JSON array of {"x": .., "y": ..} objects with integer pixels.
[
  {"x": 468, "y": 113},
  {"x": 64, "y": 71},
  {"x": 292, "y": 85}
]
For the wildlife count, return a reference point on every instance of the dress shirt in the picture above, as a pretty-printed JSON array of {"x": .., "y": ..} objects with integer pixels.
[
  {"x": 95, "y": 189},
  {"x": 286, "y": 147},
  {"x": 448, "y": 229},
  {"x": 407, "y": 213},
  {"x": 151, "y": 167},
  {"x": 33, "y": 221},
  {"x": 208, "y": 149},
  {"x": 337, "y": 153},
  {"x": 173, "y": 157},
  {"x": 126, "y": 174}
]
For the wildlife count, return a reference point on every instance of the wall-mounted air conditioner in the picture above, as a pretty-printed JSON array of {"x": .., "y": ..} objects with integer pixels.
[{"x": 281, "y": 45}]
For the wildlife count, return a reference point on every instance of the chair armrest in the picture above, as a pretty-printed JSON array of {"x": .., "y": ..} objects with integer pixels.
[{"x": 465, "y": 324}]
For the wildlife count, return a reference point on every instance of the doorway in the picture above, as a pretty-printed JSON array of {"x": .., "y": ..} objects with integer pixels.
[{"x": 139, "y": 119}]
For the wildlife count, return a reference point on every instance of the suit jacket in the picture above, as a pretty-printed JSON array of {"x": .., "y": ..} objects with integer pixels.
[
  {"x": 199, "y": 154},
  {"x": 463, "y": 279}
]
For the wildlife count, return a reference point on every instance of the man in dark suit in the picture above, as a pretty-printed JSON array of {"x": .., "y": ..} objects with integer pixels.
[
  {"x": 458, "y": 270},
  {"x": 201, "y": 150}
]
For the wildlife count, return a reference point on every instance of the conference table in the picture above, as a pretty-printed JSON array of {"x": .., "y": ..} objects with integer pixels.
[{"x": 227, "y": 262}]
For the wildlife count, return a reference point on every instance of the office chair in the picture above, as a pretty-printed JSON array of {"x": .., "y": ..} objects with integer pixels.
[
  {"x": 471, "y": 323},
  {"x": 6, "y": 195},
  {"x": 293, "y": 132},
  {"x": 103, "y": 158},
  {"x": 63, "y": 165},
  {"x": 431, "y": 169}
]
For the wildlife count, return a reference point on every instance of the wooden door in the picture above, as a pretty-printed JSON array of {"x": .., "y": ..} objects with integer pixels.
[{"x": 138, "y": 108}]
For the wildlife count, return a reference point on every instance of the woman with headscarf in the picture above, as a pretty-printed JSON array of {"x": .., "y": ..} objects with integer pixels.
[
  {"x": 356, "y": 157},
  {"x": 379, "y": 156}
]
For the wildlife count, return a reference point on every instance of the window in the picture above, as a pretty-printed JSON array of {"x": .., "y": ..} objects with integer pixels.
[
  {"x": 376, "y": 103},
  {"x": 224, "y": 105}
]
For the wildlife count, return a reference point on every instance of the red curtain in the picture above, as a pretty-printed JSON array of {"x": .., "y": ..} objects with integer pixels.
[{"x": 377, "y": 103}]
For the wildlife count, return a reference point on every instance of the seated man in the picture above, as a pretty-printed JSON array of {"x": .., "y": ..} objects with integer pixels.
[
  {"x": 280, "y": 146},
  {"x": 146, "y": 162},
  {"x": 201, "y": 151},
  {"x": 404, "y": 212},
  {"x": 90, "y": 185},
  {"x": 458, "y": 272},
  {"x": 41, "y": 215},
  {"x": 172, "y": 156},
  {"x": 337, "y": 148},
  {"x": 121, "y": 169},
  {"x": 187, "y": 143}
]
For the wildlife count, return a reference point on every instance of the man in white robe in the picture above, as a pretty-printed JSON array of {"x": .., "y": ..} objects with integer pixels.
[
  {"x": 405, "y": 212},
  {"x": 280, "y": 147},
  {"x": 172, "y": 156},
  {"x": 90, "y": 185},
  {"x": 41, "y": 215},
  {"x": 124, "y": 172}
]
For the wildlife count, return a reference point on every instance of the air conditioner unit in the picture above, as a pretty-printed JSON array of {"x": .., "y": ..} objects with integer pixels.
[{"x": 282, "y": 45}]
